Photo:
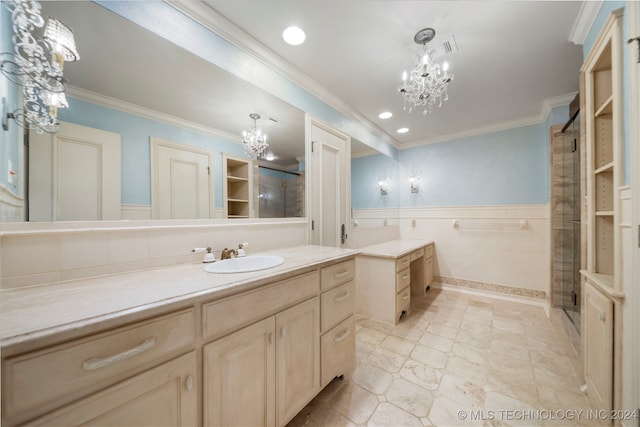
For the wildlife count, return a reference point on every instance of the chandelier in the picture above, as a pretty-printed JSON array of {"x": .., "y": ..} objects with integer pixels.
[
  {"x": 426, "y": 84},
  {"x": 36, "y": 64},
  {"x": 254, "y": 141}
]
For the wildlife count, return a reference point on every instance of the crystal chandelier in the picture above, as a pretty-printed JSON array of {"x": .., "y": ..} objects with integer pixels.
[
  {"x": 36, "y": 64},
  {"x": 427, "y": 83},
  {"x": 254, "y": 141}
]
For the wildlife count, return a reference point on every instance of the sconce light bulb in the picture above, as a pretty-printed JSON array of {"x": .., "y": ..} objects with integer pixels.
[
  {"x": 445, "y": 66},
  {"x": 404, "y": 76}
]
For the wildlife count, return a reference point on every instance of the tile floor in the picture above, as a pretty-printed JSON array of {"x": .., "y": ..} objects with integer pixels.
[{"x": 457, "y": 359}]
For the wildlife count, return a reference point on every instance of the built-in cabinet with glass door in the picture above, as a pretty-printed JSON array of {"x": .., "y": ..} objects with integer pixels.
[{"x": 601, "y": 83}]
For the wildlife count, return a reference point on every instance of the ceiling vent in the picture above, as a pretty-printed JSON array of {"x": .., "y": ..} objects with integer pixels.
[{"x": 446, "y": 46}]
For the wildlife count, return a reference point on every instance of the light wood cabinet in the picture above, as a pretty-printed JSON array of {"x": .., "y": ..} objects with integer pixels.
[
  {"x": 245, "y": 371},
  {"x": 163, "y": 396},
  {"x": 387, "y": 280},
  {"x": 601, "y": 85},
  {"x": 239, "y": 381},
  {"x": 237, "y": 187}
]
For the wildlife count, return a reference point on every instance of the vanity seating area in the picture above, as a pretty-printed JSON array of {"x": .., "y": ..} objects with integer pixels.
[
  {"x": 389, "y": 274},
  {"x": 179, "y": 346}
]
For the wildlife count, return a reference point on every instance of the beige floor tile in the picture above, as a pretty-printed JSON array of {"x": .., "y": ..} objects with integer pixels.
[
  {"x": 372, "y": 378},
  {"x": 387, "y": 414},
  {"x": 398, "y": 345},
  {"x": 410, "y": 397},
  {"x": 429, "y": 356},
  {"x": 423, "y": 375},
  {"x": 451, "y": 355}
]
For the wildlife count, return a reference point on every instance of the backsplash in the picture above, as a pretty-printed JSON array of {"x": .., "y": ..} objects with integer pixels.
[{"x": 39, "y": 253}]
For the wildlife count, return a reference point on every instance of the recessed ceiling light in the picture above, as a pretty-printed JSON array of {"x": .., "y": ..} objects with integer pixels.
[
  {"x": 385, "y": 115},
  {"x": 403, "y": 130},
  {"x": 293, "y": 35}
]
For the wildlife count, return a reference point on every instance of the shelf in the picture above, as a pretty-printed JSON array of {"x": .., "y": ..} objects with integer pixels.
[
  {"x": 236, "y": 178},
  {"x": 238, "y": 216},
  {"x": 606, "y": 108},
  {"x": 606, "y": 168},
  {"x": 238, "y": 200},
  {"x": 604, "y": 213}
]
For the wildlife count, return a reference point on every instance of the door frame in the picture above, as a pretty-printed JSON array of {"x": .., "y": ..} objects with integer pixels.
[
  {"x": 632, "y": 13},
  {"x": 154, "y": 148},
  {"x": 312, "y": 185}
]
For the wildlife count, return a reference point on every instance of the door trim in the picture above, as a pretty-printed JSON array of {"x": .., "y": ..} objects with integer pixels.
[{"x": 154, "y": 148}]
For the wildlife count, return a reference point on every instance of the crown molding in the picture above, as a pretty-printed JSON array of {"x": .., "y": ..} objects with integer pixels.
[
  {"x": 586, "y": 16},
  {"x": 214, "y": 21},
  {"x": 147, "y": 113},
  {"x": 547, "y": 105}
]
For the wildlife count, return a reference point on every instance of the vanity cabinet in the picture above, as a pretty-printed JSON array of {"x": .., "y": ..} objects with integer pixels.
[
  {"x": 338, "y": 344},
  {"x": 164, "y": 395},
  {"x": 106, "y": 363},
  {"x": 264, "y": 373},
  {"x": 389, "y": 274}
]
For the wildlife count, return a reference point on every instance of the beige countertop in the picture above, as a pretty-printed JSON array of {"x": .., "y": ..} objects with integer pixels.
[
  {"x": 32, "y": 316},
  {"x": 394, "y": 248}
]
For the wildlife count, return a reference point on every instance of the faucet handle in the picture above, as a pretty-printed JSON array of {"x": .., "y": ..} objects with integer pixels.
[
  {"x": 241, "y": 247},
  {"x": 208, "y": 256}
]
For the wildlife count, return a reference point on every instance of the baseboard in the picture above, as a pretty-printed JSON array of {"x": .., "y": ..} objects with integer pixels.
[{"x": 490, "y": 290}]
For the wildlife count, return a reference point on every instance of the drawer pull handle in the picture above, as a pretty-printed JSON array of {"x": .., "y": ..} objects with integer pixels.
[
  {"x": 270, "y": 337},
  {"x": 405, "y": 277},
  {"x": 342, "y": 297},
  {"x": 342, "y": 336},
  {"x": 96, "y": 363},
  {"x": 283, "y": 332},
  {"x": 405, "y": 297},
  {"x": 341, "y": 275},
  {"x": 406, "y": 261},
  {"x": 188, "y": 383}
]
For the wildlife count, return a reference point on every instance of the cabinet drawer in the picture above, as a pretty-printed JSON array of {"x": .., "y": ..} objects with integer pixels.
[
  {"x": 41, "y": 377},
  {"x": 403, "y": 279},
  {"x": 227, "y": 315},
  {"x": 404, "y": 262},
  {"x": 338, "y": 351},
  {"x": 429, "y": 251},
  {"x": 337, "y": 274},
  {"x": 417, "y": 254},
  {"x": 337, "y": 305},
  {"x": 403, "y": 300}
]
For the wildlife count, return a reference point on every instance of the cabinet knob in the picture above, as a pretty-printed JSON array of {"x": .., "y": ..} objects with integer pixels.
[
  {"x": 601, "y": 316},
  {"x": 188, "y": 383},
  {"x": 283, "y": 332},
  {"x": 270, "y": 337}
]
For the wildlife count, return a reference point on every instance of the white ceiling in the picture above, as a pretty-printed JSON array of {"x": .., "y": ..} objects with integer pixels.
[{"x": 512, "y": 55}]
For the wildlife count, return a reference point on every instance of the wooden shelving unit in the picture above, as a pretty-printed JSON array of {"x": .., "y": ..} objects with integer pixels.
[
  {"x": 601, "y": 84},
  {"x": 237, "y": 173}
]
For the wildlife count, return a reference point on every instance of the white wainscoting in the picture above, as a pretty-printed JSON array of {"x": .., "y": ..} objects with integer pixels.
[
  {"x": 503, "y": 249},
  {"x": 11, "y": 206}
]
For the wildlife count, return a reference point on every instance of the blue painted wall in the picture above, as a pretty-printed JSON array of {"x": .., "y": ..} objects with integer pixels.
[
  {"x": 594, "y": 31},
  {"x": 135, "y": 132},
  {"x": 366, "y": 172}
]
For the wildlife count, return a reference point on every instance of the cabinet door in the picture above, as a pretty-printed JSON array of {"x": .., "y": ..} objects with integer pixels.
[
  {"x": 298, "y": 367},
  {"x": 599, "y": 347},
  {"x": 239, "y": 377},
  {"x": 163, "y": 396}
]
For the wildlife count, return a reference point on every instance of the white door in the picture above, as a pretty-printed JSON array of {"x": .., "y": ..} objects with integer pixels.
[
  {"x": 74, "y": 175},
  {"x": 182, "y": 187},
  {"x": 329, "y": 196}
]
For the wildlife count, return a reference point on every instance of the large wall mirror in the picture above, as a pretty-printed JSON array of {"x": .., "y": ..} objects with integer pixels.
[{"x": 167, "y": 105}]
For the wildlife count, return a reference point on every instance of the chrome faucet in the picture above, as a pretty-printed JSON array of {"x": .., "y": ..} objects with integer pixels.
[{"x": 228, "y": 253}]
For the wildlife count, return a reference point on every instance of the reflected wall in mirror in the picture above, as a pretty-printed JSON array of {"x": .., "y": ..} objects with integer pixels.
[
  {"x": 374, "y": 188},
  {"x": 134, "y": 84}
]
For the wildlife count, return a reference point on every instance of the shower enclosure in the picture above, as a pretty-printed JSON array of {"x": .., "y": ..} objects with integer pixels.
[
  {"x": 567, "y": 218},
  {"x": 280, "y": 193}
]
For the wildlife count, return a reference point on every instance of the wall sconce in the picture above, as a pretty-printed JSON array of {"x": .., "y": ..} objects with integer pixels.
[
  {"x": 37, "y": 65},
  {"x": 384, "y": 187},
  {"x": 413, "y": 183}
]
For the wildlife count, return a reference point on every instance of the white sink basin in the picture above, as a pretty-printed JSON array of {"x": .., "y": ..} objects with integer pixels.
[{"x": 244, "y": 264}]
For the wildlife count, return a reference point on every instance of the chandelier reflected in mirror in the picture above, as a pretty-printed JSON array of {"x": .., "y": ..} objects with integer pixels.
[
  {"x": 426, "y": 85},
  {"x": 254, "y": 141},
  {"x": 37, "y": 65}
]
